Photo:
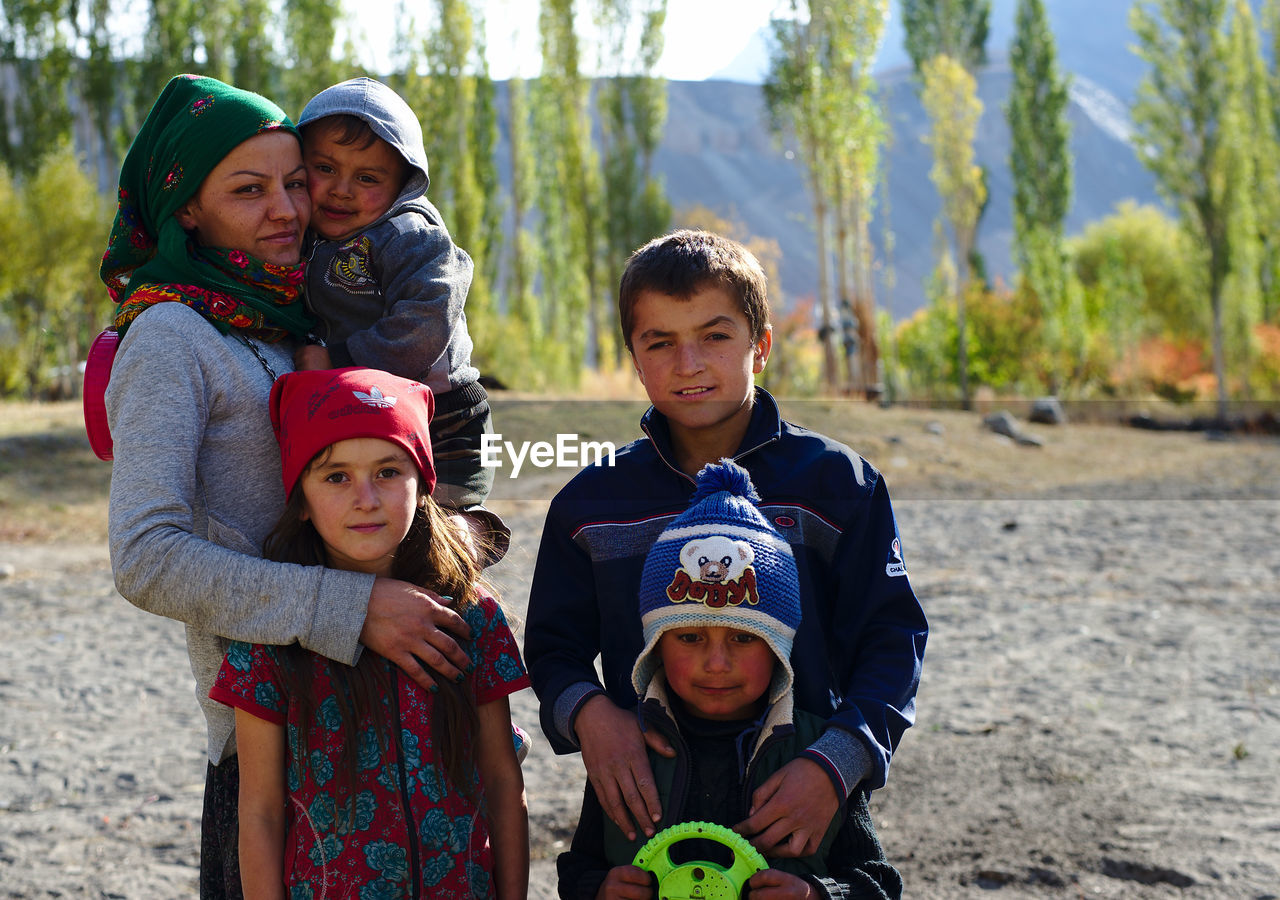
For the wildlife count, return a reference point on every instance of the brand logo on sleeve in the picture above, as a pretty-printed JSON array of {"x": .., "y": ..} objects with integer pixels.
[{"x": 895, "y": 567}]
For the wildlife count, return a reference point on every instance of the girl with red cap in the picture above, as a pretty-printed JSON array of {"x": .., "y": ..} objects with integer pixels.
[{"x": 353, "y": 779}]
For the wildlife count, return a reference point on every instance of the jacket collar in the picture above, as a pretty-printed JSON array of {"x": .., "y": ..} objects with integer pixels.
[
  {"x": 765, "y": 427},
  {"x": 655, "y": 708}
]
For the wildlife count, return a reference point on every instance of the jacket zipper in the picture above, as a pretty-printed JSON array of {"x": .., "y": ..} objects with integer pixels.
[
  {"x": 774, "y": 737},
  {"x": 662, "y": 456},
  {"x": 409, "y": 823},
  {"x": 659, "y": 718}
]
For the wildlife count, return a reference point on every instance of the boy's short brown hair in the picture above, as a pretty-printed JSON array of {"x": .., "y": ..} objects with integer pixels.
[
  {"x": 351, "y": 130},
  {"x": 684, "y": 262}
]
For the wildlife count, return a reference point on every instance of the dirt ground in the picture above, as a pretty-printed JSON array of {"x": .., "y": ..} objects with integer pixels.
[{"x": 1099, "y": 714}]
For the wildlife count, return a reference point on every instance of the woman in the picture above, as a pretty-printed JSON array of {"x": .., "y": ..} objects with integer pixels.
[{"x": 204, "y": 259}]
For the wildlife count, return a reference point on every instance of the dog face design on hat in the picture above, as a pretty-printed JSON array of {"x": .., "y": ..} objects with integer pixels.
[{"x": 715, "y": 570}]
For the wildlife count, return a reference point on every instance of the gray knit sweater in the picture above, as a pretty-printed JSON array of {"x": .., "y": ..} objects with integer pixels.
[{"x": 195, "y": 487}]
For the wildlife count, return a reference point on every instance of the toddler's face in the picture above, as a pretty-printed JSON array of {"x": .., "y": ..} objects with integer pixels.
[
  {"x": 720, "y": 673},
  {"x": 361, "y": 496},
  {"x": 350, "y": 186}
]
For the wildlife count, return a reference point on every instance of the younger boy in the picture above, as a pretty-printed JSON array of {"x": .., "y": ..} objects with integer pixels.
[
  {"x": 695, "y": 317},
  {"x": 385, "y": 276},
  {"x": 719, "y": 604}
]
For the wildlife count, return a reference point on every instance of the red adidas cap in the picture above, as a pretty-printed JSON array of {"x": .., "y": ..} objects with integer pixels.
[{"x": 311, "y": 410}]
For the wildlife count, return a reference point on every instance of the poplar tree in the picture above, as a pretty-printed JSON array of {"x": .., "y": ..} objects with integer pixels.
[
  {"x": 1041, "y": 164},
  {"x": 951, "y": 102},
  {"x": 1250, "y": 162},
  {"x": 524, "y": 313},
  {"x": 632, "y": 105},
  {"x": 957, "y": 28},
  {"x": 794, "y": 92},
  {"x": 254, "y": 66},
  {"x": 310, "y": 30},
  {"x": 1040, "y": 152},
  {"x": 568, "y": 193},
  {"x": 857, "y": 130},
  {"x": 34, "y": 43},
  {"x": 819, "y": 88},
  {"x": 1183, "y": 128},
  {"x": 99, "y": 87},
  {"x": 460, "y": 131},
  {"x": 1269, "y": 190}
]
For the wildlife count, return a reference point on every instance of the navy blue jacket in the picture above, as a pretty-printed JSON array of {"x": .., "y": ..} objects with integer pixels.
[{"x": 858, "y": 650}]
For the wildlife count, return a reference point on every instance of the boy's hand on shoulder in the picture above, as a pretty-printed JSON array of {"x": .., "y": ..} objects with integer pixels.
[
  {"x": 626, "y": 883},
  {"x": 772, "y": 884},
  {"x": 791, "y": 811},
  {"x": 309, "y": 357},
  {"x": 613, "y": 753}
]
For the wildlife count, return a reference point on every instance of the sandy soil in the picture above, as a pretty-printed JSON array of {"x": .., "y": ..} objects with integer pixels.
[{"x": 1099, "y": 715}]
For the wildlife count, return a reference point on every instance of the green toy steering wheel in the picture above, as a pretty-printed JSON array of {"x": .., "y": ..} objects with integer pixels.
[{"x": 699, "y": 880}]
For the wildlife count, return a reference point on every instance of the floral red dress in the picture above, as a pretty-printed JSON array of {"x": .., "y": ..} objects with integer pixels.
[{"x": 339, "y": 845}]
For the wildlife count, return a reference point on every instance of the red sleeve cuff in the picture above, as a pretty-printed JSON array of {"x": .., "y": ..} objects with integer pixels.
[{"x": 234, "y": 700}]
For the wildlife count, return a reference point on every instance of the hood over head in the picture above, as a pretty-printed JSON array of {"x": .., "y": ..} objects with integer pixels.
[{"x": 387, "y": 113}]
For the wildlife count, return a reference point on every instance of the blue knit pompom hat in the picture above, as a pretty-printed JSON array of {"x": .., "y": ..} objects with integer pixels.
[{"x": 720, "y": 562}]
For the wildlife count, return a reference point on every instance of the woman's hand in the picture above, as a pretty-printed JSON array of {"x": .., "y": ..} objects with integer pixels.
[
  {"x": 626, "y": 883},
  {"x": 412, "y": 628},
  {"x": 791, "y": 811},
  {"x": 774, "y": 885},
  {"x": 614, "y": 756}
]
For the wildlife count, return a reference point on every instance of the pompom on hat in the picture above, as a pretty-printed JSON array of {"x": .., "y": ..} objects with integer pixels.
[
  {"x": 311, "y": 410},
  {"x": 720, "y": 563}
]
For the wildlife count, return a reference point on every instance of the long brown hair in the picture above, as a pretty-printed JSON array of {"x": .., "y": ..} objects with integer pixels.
[{"x": 433, "y": 556}]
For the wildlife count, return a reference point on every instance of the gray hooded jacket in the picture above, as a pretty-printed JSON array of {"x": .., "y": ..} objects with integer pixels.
[{"x": 392, "y": 295}]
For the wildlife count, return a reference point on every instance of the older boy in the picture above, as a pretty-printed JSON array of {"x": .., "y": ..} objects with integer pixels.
[
  {"x": 719, "y": 603},
  {"x": 695, "y": 317}
]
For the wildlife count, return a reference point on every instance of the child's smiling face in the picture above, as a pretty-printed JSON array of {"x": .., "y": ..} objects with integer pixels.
[
  {"x": 361, "y": 495},
  {"x": 720, "y": 673},
  {"x": 350, "y": 186}
]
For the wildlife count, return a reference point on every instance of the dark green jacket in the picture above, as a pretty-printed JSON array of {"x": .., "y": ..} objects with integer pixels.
[{"x": 848, "y": 864}]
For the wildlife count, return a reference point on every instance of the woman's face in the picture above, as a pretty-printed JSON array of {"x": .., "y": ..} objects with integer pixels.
[{"x": 254, "y": 201}]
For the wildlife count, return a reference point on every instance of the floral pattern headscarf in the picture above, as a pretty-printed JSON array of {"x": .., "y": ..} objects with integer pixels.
[{"x": 150, "y": 259}]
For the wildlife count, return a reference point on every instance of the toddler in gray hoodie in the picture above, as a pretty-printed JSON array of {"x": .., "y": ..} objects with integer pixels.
[{"x": 387, "y": 279}]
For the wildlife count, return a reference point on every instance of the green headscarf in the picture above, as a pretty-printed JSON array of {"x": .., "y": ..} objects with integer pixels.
[{"x": 193, "y": 125}]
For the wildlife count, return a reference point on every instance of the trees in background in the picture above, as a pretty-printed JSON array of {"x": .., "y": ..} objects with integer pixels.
[
  {"x": 820, "y": 90},
  {"x": 946, "y": 40},
  {"x": 540, "y": 302},
  {"x": 1194, "y": 123},
  {"x": 36, "y": 48},
  {"x": 1041, "y": 166},
  {"x": 955, "y": 28},
  {"x": 550, "y": 213},
  {"x": 632, "y": 106},
  {"x": 951, "y": 102},
  {"x": 958, "y": 29},
  {"x": 444, "y": 76},
  {"x": 49, "y": 287}
]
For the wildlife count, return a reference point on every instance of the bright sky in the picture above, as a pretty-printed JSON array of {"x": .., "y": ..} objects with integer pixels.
[{"x": 701, "y": 36}]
